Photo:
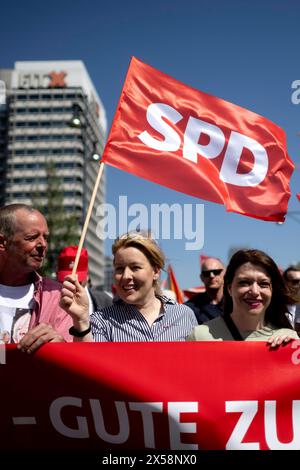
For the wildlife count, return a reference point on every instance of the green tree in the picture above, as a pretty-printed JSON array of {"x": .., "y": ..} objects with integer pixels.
[{"x": 64, "y": 228}]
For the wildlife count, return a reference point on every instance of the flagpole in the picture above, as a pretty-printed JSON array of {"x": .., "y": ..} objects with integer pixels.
[
  {"x": 90, "y": 208},
  {"x": 87, "y": 218}
]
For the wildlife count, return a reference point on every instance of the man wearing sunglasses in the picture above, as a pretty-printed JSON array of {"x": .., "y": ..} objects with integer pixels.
[
  {"x": 209, "y": 304},
  {"x": 292, "y": 279}
]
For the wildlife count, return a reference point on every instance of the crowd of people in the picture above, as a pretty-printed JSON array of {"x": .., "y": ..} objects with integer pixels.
[{"x": 250, "y": 300}]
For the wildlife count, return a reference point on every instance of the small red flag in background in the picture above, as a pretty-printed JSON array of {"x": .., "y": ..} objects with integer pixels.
[
  {"x": 298, "y": 196},
  {"x": 203, "y": 258},
  {"x": 192, "y": 291},
  {"x": 173, "y": 285},
  {"x": 176, "y": 136}
]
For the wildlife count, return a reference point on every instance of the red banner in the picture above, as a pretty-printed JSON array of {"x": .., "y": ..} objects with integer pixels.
[
  {"x": 180, "y": 396},
  {"x": 176, "y": 136}
]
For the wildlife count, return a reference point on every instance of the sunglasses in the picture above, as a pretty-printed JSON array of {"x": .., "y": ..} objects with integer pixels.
[{"x": 215, "y": 272}]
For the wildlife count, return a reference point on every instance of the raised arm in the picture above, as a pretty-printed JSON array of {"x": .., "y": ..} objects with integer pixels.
[{"x": 75, "y": 302}]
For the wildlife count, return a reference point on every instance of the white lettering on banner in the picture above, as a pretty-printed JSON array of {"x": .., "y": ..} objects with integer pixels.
[
  {"x": 125, "y": 413},
  {"x": 176, "y": 427},
  {"x": 295, "y": 98},
  {"x": 248, "y": 410},
  {"x": 81, "y": 432},
  {"x": 146, "y": 409},
  {"x": 191, "y": 147},
  {"x": 123, "y": 434},
  {"x": 271, "y": 427}
]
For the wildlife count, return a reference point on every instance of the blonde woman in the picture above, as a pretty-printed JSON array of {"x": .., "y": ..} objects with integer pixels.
[{"x": 141, "y": 312}]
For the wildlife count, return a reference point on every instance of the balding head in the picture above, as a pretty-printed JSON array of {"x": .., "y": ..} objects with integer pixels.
[
  {"x": 23, "y": 243},
  {"x": 212, "y": 274},
  {"x": 8, "y": 218}
]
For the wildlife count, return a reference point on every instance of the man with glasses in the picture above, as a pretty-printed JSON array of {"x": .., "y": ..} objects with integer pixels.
[
  {"x": 292, "y": 279},
  {"x": 209, "y": 304}
]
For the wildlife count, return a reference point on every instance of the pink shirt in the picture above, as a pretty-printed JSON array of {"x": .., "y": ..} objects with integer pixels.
[{"x": 47, "y": 309}]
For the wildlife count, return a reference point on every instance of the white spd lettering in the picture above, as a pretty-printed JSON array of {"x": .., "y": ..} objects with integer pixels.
[
  {"x": 155, "y": 113},
  {"x": 158, "y": 112}
]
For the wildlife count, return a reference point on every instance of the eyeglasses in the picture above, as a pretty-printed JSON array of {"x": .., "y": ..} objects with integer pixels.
[{"x": 208, "y": 272}]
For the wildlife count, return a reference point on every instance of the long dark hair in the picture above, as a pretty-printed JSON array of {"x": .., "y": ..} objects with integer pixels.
[{"x": 276, "y": 311}]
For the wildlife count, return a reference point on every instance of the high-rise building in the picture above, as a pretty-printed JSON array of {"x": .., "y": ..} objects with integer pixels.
[{"x": 51, "y": 114}]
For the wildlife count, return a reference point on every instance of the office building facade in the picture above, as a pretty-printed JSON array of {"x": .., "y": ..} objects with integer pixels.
[{"x": 52, "y": 116}]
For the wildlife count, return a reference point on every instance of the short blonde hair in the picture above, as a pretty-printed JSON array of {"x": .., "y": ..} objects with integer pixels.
[{"x": 144, "y": 242}]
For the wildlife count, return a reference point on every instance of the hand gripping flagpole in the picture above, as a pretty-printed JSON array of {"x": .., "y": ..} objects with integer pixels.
[{"x": 87, "y": 218}]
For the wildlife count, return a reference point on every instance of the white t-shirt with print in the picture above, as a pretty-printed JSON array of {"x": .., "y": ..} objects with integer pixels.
[{"x": 16, "y": 304}]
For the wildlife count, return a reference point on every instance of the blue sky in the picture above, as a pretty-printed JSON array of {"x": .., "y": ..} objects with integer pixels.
[{"x": 244, "y": 52}]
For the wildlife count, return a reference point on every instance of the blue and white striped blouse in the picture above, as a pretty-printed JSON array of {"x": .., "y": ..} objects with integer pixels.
[{"x": 123, "y": 322}]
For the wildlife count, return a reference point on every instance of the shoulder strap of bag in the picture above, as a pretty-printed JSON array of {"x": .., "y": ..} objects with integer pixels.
[{"x": 232, "y": 328}]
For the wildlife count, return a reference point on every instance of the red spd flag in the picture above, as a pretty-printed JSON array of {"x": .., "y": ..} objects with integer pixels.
[{"x": 179, "y": 137}]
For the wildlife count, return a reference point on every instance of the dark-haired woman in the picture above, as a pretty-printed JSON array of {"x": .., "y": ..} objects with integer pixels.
[{"x": 255, "y": 303}]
